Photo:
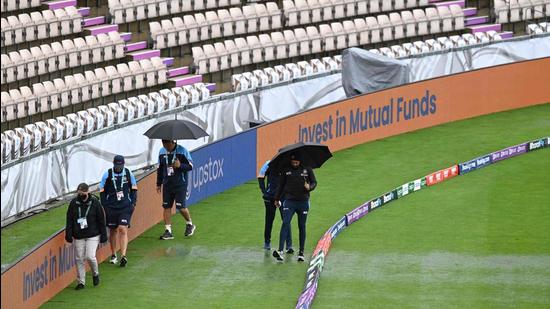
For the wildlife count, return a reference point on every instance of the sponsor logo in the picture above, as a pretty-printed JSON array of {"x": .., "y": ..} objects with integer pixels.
[
  {"x": 418, "y": 184},
  {"x": 536, "y": 145},
  {"x": 338, "y": 227},
  {"x": 388, "y": 197},
  {"x": 358, "y": 213},
  {"x": 404, "y": 189},
  {"x": 508, "y": 152},
  {"x": 324, "y": 244},
  {"x": 375, "y": 203},
  {"x": 475, "y": 164},
  {"x": 442, "y": 175},
  {"x": 204, "y": 174}
]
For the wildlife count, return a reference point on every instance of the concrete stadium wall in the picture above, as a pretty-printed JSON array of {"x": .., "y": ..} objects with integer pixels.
[{"x": 50, "y": 267}]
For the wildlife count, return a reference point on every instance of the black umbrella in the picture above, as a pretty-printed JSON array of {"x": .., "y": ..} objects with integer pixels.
[
  {"x": 175, "y": 130},
  {"x": 311, "y": 155}
]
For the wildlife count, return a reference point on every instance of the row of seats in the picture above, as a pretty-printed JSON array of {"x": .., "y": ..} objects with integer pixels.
[
  {"x": 517, "y": 10},
  {"x": 20, "y": 142},
  {"x": 40, "y": 25},
  {"x": 360, "y": 31},
  {"x": 312, "y": 40},
  {"x": 539, "y": 28},
  {"x": 14, "y": 5},
  {"x": 201, "y": 27},
  {"x": 282, "y": 73},
  {"x": 48, "y": 58},
  {"x": 441, "y": 43},
  {"x": 126, "y": 11},
  {"x": 74, "y": 89},
  {"x": 303, "y": 12}
]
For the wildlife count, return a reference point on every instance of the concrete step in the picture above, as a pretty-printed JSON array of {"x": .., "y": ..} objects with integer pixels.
[
  {"x": 84, "y": 11},
  {"x": 60, "y": 4},
  {"x": 507, "y": 34},
  {"x": 468, "y": 12},
  {"x": 143, "y": 54},
  {"x": 178, "y": 71},
  {"x": 185, "y": 80},
  {"x": 126, "y": 36},
  {"x": 130, "y": 47},
  {"x": 168, "y": 61},
  {"x": 93, "y": 21},
  {"x": 95, "y": 30},
  {"x": 461, "y": 3},
  {"x": 485, "y": 28},
  {"x": 476, "y": 20},
  {"x": 211, "y": 87}
]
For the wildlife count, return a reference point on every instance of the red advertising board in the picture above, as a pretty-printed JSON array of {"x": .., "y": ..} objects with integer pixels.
[{"x": 442, "y": 175}]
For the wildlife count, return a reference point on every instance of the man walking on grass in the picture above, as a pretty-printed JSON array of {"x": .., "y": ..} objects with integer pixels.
[
  {"x": 118, "y": 192},
  {"x": 175, "y": 162}
]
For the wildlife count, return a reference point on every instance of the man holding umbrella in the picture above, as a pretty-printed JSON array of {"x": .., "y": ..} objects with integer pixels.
[
  {"x": 173, "y": 172},
  {"x": 172, "y": 175},
  {"x": 296, "y": 183},
  {"x": 295, "y": 163}
]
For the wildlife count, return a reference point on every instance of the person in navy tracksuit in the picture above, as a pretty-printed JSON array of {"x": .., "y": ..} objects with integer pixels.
[
  {"x": 175, "y": 162},
  {"x": 268, "y": 194},
  {"x": 295, "y": 184},
  {"x": 118, "y": 192}
]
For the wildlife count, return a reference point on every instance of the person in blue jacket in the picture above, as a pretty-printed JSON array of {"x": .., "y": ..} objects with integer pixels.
[
  {"x": 118, "y": 193},
  {"x": 268, "y": 195},
  {"x": 175, "y": 162}
]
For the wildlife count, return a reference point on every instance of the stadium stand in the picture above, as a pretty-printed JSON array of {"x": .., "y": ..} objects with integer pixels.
[
  {"x": 40, "y": 25},
  {"x": 52, "y": 59},
  {"x": 36, "y": 136}
]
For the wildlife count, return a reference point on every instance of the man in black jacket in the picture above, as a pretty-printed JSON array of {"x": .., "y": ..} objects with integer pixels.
[
  {"x": 296, "y": 181},
  {"x": 86, "y": 225}
]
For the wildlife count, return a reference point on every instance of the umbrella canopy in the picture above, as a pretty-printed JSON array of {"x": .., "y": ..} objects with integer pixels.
[
  {"x": 311, "y": 155},
  {"x": 175, "y": 130}
]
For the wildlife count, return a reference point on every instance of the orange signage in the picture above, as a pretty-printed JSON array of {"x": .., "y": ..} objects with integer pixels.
[{"x": 411, "y": 107}]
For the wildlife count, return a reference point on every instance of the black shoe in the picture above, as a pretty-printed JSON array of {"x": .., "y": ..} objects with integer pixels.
[
  {"x": 167, "y": 235},
  {"x": 301, "y": 257},
  {"x": 278, "y": 255},
  {"x": 96, "y": 279},
  {"x": 290, "y": 251},
  {"x": 79, "y": 286},
  {"x": 123, "y": 261},
  {"x": 189, "y": 229}
]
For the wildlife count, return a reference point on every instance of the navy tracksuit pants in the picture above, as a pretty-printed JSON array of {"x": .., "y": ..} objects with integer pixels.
[
  {"x": 270, "y": 211},
  {"x": 290, "y": 207}
]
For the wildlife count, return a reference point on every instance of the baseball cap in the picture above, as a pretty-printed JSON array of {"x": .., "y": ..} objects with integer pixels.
[{"x": 118, "y": 161}]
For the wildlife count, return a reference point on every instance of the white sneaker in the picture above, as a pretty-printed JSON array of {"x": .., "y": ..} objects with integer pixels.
[
  {"x": 278, "y": 255},
  {"x": 189, "y": 229},
  {"x": 113, "y": 260}
]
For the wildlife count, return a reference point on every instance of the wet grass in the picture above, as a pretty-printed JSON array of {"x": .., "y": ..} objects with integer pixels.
[{"x": 478, "y": 240}]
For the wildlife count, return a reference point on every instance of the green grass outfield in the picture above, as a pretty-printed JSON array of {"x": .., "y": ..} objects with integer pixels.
[{"x": 479, "y": 240}]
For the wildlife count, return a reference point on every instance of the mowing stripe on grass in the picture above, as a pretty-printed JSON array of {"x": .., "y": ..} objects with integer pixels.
[{"x": 323, "y": 246}]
